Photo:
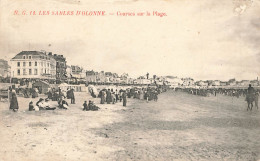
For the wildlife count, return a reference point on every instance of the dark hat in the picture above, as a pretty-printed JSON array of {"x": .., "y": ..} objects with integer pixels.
[{"x": 41, "y": 99}]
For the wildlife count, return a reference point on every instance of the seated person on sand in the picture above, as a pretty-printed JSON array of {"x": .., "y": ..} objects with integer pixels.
[
  {"x": 85, "y": 106},
  {"x": 92, "y": 106},
  {"x": 63, "y": 103},
  {"x": 44, "y": 105},
  {"x": 47, "y": 106},
  {"x": 31, "y": 107},
  {"x": 40, "y": 104}
]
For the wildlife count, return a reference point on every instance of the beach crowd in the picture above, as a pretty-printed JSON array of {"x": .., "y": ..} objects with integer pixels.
[{"x": 106, "y": 95}]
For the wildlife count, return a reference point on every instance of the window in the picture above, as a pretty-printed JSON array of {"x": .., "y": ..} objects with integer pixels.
[
  {"x": 35, "y": 64},
  {"x": 18, "y": 64},
  {"x": 30, "y": 57},
  {"x": 24, "y": 64},
  {"x": 18, "y": 72},
  {"x": 24, "y": 72},
  {"x": 24, "y": 57},
  {"x": 30, "y": 63},
  {"x": 45, "y": 71},
  {"x": 30, "y": 71},
  {"x": 35, "y": 72}
]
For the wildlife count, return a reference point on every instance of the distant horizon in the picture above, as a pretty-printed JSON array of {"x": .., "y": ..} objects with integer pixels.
[{"x": 150, "y": 76}]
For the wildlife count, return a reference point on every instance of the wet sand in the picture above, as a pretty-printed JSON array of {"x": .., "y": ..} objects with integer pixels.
[{"x": 177, "y": 127}]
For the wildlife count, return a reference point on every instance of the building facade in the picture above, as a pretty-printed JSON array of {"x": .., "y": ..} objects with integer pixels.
[
  {"x": 91, "y": 76},
  {"x": 61, "y": 74},
  {"x": 33, "y": 65}
]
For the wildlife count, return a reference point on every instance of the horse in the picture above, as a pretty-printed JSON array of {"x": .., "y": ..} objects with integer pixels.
[{"x": 250, "y": 98}]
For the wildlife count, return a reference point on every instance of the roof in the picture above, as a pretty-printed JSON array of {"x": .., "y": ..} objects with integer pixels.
[
  {"x": 41, "y": 82},
  {"x": 33, "y": 53}
]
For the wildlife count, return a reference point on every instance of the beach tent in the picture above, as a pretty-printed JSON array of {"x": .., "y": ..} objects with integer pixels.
[
  {"x": 42, "y": 86},
  {"x": 93, "y": 88}
]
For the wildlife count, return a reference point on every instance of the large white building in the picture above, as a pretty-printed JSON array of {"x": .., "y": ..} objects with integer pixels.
[{"x": 33, "y": 65}]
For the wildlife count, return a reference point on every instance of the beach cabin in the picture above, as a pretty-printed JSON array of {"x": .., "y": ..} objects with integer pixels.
[
  {"x": 77, "y": 88},
  {"x": 42, "y": 86}
]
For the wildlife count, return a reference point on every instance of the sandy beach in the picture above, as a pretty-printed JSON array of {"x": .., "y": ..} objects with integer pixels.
[{"x": 177, "y": 127}]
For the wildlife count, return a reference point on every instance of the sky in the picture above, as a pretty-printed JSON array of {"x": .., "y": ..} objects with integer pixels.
[{"x": 202, "y": 39}]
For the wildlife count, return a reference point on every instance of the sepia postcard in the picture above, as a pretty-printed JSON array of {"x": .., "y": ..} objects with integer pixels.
[{"x": 141, "y": 80}]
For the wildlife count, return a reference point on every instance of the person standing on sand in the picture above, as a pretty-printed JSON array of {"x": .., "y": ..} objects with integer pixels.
[
  {"x": 256, "y": 99},
  {"x": 72, "y": 96},
  {"x": 124, "y": 98},
  {"x": 109, "y": 97},
  {"x": 141, "y": 94},
  {"x": 14, "y": 103},
  {"x": 68, "y": 93},
  {"x": 116, "y": 93},
  {"x": 113, "y": 97},
  {"x": 102, "y": 97}
]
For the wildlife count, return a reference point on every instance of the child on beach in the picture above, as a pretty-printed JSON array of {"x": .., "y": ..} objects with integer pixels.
[
  {"x": 85, "y": 106},
  {"x": 31, "y": 107}
]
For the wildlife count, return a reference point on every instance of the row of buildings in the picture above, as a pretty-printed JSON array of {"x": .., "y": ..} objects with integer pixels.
[
  {"x": 54, "y": 68},
  {"x": 210, "y": 83}
]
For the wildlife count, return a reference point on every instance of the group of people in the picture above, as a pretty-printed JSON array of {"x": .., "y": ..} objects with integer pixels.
[
  {"x": 147, "y": 94},
  {"x": 111, "y": 96},
  {"x": 251, "y": 95},
  {"x": 90, "y": 106},
  {"x": 30, "y": 92},
  {"x": 43, "y": 104}
]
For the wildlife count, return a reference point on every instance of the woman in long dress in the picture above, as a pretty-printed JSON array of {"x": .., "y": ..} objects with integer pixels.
[
  {"x": 141, "y": 94},
  {"x": 14, "y": 103},
  {"x": 102, "y": 97}
]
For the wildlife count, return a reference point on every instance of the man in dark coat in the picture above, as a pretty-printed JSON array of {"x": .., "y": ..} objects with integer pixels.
[
  {"x": 69, "y": 93},
  {"x": 250, "y": 94},
  {"x": 250, "y": 89}
]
